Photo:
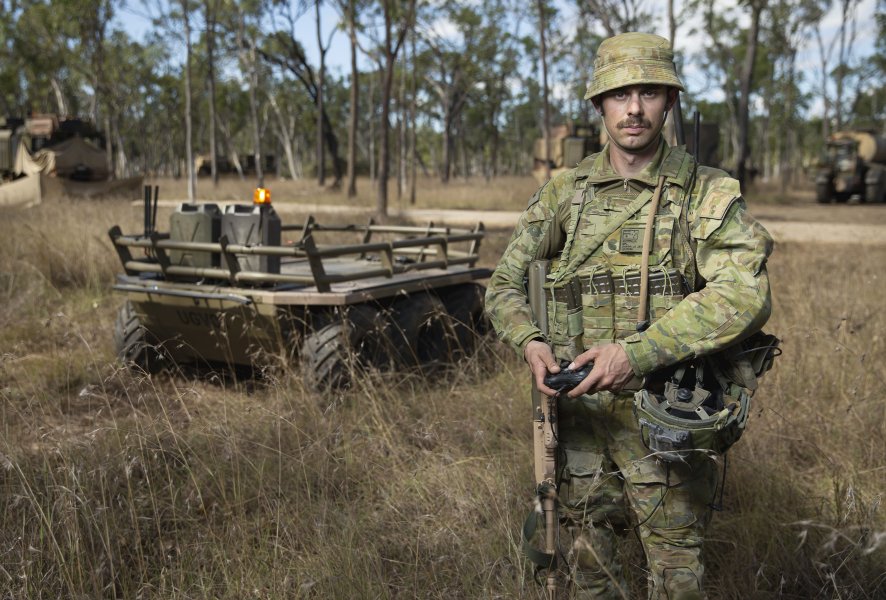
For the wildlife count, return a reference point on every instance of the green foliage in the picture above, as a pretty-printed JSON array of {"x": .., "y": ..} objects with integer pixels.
[{"x": 477, "y": 85}]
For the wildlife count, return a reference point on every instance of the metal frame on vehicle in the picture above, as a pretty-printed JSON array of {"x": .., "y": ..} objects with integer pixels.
[{"x": 434, "y": 244}]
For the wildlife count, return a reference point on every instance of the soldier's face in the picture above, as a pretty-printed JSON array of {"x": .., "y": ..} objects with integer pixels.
[{"x": 634, "y": 115}]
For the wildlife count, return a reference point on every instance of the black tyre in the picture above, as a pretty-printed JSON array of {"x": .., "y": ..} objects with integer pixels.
[
  {"x": 136, "y": 346},
  {"x": 418, "y": 333},
  {"x": 342, "y": 344},
  {"x": 823, "y": 193},
  {"x": 467, "y": 319}
]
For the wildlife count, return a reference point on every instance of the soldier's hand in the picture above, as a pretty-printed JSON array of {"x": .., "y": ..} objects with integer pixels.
[
  {"x": 541, "y": 361},
  {"x": 612, "y": 370}
]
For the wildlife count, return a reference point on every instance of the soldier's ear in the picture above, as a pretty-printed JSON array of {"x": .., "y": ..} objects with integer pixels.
[{"x": 672, "y": 98}]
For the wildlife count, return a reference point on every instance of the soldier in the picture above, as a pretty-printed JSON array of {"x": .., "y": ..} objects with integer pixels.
[{"x": 701, "y": 270}]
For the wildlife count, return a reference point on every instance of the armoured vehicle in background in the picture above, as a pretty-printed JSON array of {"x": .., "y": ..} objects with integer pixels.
[
  {"x": 234, "y": 287},
  {"x": 44, "y": 156},
  {"x": 569, "y": 144},
  {"x": 853, "y": 164}
]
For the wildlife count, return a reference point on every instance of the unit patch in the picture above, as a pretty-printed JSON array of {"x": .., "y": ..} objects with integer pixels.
[{"x": 631, "y": 240}]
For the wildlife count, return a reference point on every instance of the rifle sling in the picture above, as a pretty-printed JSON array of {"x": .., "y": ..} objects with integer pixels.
[
  {"x": 540, "y": 558},
  {"x": 642, "y": 321}
]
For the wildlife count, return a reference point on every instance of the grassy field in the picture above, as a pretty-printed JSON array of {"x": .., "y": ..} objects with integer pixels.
[{"x": 117, "y": 485}]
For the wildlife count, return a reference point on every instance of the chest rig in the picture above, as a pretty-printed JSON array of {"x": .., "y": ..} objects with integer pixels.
[{"x": 595, "y": 287}]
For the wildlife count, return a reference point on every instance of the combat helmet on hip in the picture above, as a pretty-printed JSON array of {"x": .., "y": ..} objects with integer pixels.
[{"x": 633, "y": 59}]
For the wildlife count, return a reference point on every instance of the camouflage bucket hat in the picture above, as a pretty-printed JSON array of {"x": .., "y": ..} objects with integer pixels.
[{"x": 631, "y": 59}]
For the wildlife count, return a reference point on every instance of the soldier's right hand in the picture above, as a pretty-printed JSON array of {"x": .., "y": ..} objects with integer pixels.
[{"x": 541, "y": 361}]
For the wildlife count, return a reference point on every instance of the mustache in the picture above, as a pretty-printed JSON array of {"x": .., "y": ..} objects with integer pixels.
[{"x": 639, "y": 122}]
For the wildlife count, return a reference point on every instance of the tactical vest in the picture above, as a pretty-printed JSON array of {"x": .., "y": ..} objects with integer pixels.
[{"x": 594, "y": 284}]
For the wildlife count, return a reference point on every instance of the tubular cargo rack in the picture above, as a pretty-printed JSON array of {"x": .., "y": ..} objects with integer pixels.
[{"x": 305, "y": 263}]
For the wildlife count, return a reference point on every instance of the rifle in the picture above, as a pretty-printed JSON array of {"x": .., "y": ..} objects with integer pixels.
[{"x": 544, "y": 435}]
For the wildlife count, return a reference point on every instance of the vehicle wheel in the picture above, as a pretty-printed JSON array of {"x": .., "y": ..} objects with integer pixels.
[
  {"x": 341, "y": 344},
  {"x": 823, "y": 193},
  {"x": 467, "y": 319},
  {"x": 135, "y": 345},
  {"x": 418, "y": 331}
]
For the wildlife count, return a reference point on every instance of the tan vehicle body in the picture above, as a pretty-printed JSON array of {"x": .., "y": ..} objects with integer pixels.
[{"x": 398, "y": 295}]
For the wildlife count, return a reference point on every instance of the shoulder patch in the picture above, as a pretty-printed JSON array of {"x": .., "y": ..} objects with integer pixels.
[
  {"x": 719, "y": 198},
  {"x": 720, "y": 195}
]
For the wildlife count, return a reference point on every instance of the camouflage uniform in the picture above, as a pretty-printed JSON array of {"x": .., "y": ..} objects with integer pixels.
[{"x": 708, "y": 256}]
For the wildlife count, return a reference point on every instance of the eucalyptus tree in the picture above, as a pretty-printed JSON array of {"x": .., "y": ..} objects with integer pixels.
[
  {"x": 451, "y": 67},
  {"x": 755, "y": 8},
  {"x": 387, "y": 24},
  {"x": 281, "y": 50},
  {"x": 786, "y": 30},
  {"x": 248, "y": 28},
  {"x": 42, "y": 71},
  {"x": 618, "y": 16},
  {"x": 543, "y": 18},
  {"x": 349, "y": 10},
  {"x": 839, "y": 69},
  {"x": 210, "y": 17},
  {"x": 498, "y": 57},
  {"x": 189, "y": 138}
]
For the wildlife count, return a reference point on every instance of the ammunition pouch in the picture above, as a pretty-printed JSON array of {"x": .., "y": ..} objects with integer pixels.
[{"x": 565, "y": 321}]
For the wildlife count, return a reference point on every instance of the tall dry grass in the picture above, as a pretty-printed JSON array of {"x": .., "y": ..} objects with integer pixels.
[{"x": 116, "y": 485}]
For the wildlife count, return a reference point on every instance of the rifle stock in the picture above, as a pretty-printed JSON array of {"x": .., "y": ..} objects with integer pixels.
[{"x": 544, "y": 433}]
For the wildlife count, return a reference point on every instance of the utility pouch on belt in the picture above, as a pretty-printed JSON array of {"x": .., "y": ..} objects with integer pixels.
[{"x": 569, "y": 291}]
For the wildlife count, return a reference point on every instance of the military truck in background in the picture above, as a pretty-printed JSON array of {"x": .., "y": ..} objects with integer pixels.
[
  {"x": 235, "y": 288},
  {"x": 853, "y": 164},
  {"x": 569, "y": 144},
  {"x": 44, "y": 156}
]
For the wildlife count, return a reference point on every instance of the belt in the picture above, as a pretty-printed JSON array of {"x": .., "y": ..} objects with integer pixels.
[{"x": 661, "y": 283}]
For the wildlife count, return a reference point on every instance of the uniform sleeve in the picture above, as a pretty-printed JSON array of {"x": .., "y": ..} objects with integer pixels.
[
  {"x": 538, "y": 235},
  {"x": 731, "y": 253}
]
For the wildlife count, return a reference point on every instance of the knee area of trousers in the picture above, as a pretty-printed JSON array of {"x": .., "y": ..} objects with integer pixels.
[
  {"x": 679, "y": 583},
  {"x": 593, "y": 550}
]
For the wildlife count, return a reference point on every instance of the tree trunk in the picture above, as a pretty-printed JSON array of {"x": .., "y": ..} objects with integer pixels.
[
  {"x": 544, "y": 77},
  {"x": 189, "y": 149},
  {"x": 209, "y": 8},
  {"x": 401, "y": 145},
  {"x": 413, "y": 145},
  {"x": 248, "y": 56},
  {"x": 448, "y": 144},
  {"x": 285, "y": 135},
  {"x": 391, "y": 49},
  {"x": 61, "y": 103},
  {"x": 747, "y": 75},
  {"x": 384, "y": 134},
  {"x": 355, "y": 101},
  {"x": 321, "y": 76}
]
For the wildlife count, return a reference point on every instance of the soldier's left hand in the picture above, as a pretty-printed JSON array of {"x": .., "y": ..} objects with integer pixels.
[{"x": 612, "y": 370}]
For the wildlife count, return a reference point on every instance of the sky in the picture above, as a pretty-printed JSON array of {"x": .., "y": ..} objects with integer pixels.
[{"x": 133, "y": 17}]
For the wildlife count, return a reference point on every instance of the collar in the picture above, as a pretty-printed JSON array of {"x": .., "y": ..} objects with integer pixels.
[{"x": 675, "y": 163}]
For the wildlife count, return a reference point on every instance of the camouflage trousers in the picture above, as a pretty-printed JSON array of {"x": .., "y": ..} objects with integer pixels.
[{"x": 610, "y": 483}]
